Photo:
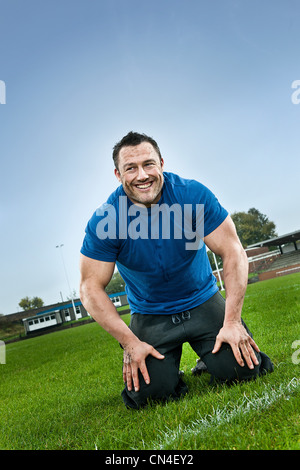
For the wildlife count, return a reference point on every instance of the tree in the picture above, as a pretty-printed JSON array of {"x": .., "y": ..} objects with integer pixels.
[
  {"x": 27, "y": 303},
  {"x": 253, "y": 226},
  {"x": 37, "y": 302},
  {"x": 116, "y": 284}
]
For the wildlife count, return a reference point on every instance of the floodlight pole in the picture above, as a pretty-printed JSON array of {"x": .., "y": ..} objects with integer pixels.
[
  {"x": 215, "y": 260},
  {"x": 66, "y": 274}
]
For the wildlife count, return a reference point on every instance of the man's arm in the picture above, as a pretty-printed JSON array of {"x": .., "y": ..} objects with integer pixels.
[
  {"x": 95, "y": 275},
  {"x": 224, "y": 242}
]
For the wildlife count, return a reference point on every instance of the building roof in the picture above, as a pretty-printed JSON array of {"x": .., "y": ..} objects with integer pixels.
[
  {"x": 45, "y": 310},
  {"x": 39, "y": 315},
  {"x": 277, "y": 241},
  {"x": 116, "y": 294}
]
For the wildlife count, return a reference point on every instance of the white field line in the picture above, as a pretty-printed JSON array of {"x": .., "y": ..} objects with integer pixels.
[{"x": 226, "y": 415}]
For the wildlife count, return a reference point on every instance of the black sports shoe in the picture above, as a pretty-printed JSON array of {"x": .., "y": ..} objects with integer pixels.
[
  {"x": 266, "y": 364},
  {"x": 199, "y": 368}
]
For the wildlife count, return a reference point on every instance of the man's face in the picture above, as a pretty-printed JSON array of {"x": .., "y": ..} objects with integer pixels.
[{"x": 141, "y": 173}]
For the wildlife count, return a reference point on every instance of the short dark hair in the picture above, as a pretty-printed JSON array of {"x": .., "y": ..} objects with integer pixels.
[{"x": 133, "y": 139}]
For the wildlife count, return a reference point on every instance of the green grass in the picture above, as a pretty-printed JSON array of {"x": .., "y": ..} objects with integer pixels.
[{"x": 62, "y": 390}]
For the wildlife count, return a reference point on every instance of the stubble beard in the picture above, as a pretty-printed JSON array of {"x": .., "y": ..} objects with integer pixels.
[{"x": 146, "y": 199}]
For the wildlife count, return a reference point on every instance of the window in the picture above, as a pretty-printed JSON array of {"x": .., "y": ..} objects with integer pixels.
[
  {"x": 116, "y": 301},
  {"x": 66, "y": 314},
  {"x": 78, "y": 309}
]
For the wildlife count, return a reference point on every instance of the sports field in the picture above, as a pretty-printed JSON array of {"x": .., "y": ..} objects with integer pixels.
[{"x": 62, "y": 390}]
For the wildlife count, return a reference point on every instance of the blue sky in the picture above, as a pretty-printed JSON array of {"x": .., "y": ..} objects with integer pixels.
[{"x": 210, "y": 81}]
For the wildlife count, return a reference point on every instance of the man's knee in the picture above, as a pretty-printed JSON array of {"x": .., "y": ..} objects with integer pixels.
[
  {"x": 164, "y": 384},
  {"x": 223, "y": 366},
  {"x": 153, "y": 392}
]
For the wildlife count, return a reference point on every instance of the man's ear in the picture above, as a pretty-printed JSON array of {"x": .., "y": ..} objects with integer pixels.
[
  {"x": 162, "y": 163},
  {"x": 117, "y": 175}
]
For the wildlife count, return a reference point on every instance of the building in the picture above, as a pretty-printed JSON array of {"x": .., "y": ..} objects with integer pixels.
[
  {"x": 287, "y": 260},
  {"x": 57, "y": 314},
  {"x": 119, "y": 299},
  {"x": 284, "y": 258},
  {"x": 53, "y": 315}
]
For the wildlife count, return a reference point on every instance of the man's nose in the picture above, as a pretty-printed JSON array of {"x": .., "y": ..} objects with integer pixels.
[{"x": 142, "y": 174}]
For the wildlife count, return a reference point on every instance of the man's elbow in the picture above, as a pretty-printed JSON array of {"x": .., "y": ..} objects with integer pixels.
[
  {"x": 243, "y": 255},
  {"x": 90, "y": 290},
  {"x": 83, "y": 292},
  {"x": 241, "y": 262},
  {"x": 86, "y": 290},
  {"x": 236, "y": 255}
]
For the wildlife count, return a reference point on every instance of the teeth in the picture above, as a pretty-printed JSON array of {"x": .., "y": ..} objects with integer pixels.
[{"x": 144, "y": 186}]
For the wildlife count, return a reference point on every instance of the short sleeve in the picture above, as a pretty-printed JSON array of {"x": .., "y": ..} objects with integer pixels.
[
  {"x": 98, "y": 247},
  {"x": 214, "y": 212}
]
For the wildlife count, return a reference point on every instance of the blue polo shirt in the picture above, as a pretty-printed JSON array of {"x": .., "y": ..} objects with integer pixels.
[{"x": 159, "y": 250}]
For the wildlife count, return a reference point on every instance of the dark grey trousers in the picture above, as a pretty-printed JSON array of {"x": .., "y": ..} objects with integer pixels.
[{"x": 167, "y": 333}]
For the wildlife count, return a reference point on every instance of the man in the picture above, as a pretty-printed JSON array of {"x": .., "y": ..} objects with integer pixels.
[{"x": 153, "y": 227}]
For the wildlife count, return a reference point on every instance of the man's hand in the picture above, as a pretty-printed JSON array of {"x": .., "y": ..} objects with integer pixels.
[
  {"x": 240, "y": 342},
  {"x": 134, "y": 360}
]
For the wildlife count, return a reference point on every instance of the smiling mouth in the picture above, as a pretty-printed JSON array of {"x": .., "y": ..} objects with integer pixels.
[{"x": 144, "y": 185}]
